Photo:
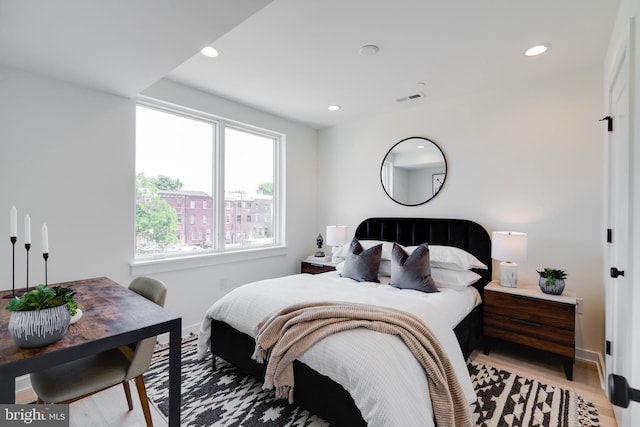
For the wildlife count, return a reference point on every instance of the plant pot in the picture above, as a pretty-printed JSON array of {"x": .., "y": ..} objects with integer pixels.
[
  {"x": 38, "y": 328},
  {"x": 556, "y": 289}
]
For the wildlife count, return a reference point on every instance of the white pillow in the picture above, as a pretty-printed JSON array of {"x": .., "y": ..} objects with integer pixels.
[
  {"x": 451, "y": 258},
  {"x": 458, "y": 280},
  {"x": 387, "y": 247},
  {"x": 385, "y": 268}
]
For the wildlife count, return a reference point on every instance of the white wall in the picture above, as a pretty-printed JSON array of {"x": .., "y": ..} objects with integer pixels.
[
  {"x": 67, "y": 159},
  {"x": 525, "y": 158}
]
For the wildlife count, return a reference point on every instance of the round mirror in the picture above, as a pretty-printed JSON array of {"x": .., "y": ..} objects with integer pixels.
[{"x": 413, "y": 171}]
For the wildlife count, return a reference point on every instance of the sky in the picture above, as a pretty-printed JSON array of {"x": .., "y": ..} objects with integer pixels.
[{"x": 182, "y": 148}]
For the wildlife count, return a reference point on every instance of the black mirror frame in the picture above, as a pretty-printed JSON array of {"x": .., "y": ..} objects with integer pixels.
[{"x": 446, "y": 168}]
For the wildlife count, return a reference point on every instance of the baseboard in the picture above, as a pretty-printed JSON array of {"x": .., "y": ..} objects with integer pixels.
[
  {"x": 186, "y": 331},
  {"x": 23, "y": 383},
  {"x": 595, "y": 358}
]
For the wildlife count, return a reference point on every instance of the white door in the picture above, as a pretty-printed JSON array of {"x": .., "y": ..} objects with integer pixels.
[{"x": 618, "y": 290}]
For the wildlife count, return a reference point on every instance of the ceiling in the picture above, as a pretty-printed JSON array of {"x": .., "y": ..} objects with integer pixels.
[
  {"x": 294, "y": 58},
  {"x": 118, "y": 46}
]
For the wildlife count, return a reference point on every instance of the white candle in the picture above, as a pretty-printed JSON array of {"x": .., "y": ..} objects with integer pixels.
[
  {"x": 27, "y": 229},
  {"x": 45, "y": 239},
  {"x": 14, "y": 222}
]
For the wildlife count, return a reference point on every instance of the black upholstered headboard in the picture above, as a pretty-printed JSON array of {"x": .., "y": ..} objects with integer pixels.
[{"x": 461, "y": 233}]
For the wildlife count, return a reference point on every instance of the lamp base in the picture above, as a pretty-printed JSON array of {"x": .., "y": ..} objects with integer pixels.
[
  {"x": 334, "y": 258},
  {"x": 509, "y": 274}
]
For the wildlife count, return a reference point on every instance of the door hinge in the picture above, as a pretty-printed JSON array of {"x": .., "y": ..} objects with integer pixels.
[
  {"x": 609, "y": 235},
  {"x": 607, "y": 348},
  {"x": 609, "y": 120},
  {"x": 614, "y": 272}
]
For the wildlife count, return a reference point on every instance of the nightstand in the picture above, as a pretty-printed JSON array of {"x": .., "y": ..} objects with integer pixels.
[
  {"x": 316, "y": 267},
  {"x": 527, "y": 316}
]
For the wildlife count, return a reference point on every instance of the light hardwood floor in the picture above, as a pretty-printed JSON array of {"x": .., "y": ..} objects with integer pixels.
[{"x": 109, "y": 408}]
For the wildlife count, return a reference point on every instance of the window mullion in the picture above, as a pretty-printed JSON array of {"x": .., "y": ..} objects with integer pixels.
[{"x": 218, "y": 186}]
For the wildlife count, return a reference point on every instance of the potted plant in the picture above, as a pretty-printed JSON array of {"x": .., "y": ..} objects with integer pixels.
[
  {"x": 552, "y": 280},
  {"x": 41, "y": 316}
]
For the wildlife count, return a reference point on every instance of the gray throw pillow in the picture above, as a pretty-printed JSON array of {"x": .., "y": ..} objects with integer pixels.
[
  {"x": 362, "y": 265},
  {"x": 412, "y": 271}
]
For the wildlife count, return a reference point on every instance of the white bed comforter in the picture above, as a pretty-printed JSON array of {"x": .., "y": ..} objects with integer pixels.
[{"x": 385, "y": 380}]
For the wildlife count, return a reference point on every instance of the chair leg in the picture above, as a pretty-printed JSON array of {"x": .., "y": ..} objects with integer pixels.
[
  {"x": 127, "y": 393},
  {"x": 142, "y": 393}
]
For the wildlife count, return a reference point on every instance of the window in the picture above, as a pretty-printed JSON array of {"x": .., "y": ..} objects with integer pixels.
[{"x": 179, "y": 163}]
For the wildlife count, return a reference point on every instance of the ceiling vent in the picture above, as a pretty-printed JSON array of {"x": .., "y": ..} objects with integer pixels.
[{"x": 411, "y": 97}]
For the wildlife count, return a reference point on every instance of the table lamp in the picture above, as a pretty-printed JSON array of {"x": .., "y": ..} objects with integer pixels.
[
  {"x": 509, "y": 247},
  {"x": 336, "y": 237}
]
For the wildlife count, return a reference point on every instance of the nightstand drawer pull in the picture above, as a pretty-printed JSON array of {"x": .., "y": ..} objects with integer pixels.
[{"x": 526, "y": 322}]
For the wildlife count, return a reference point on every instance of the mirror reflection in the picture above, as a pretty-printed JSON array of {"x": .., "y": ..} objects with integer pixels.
[{"x": 413, "y": 171}]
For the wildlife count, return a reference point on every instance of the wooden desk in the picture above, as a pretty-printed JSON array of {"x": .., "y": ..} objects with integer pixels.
[{"x": 112, "y": 316}]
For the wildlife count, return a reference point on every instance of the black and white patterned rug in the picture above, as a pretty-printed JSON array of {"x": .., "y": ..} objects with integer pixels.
[{"x": 227, "y": 398}]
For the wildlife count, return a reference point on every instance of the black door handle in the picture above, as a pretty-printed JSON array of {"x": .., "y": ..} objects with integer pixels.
[
  {"x": 620, "y": 394},
  {"x": 614, "y": 272}
]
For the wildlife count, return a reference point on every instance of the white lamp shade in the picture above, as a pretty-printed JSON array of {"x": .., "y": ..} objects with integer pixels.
[
  {"x": 509, "y": 246},
  {"x": 336, "y": 235}
]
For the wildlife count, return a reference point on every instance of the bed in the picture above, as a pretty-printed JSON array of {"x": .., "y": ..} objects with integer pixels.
[{"x": 314, "y": 389}]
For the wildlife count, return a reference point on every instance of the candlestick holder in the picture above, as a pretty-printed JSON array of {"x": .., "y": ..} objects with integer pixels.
[
  {"x": 46, "y": 278},
  {"x": 27, "y": 246},
  {"x": 13, "y": 268}
]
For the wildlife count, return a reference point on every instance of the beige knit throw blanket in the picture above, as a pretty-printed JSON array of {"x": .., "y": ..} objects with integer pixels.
[{"x": 286, "y": 335}]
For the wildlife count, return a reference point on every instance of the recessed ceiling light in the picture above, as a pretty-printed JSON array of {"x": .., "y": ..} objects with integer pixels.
[
  {"x": 537, "y": 49},
  {"x": 210, "y": 51},
  {"x": 333, "y": 107},
  {"x": 369, "y": 50}
]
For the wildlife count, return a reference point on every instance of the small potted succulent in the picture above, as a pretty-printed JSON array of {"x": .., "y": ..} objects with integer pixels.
[
  {"x": 41, "y": 316},
  {"x": 552, "y": 280}
]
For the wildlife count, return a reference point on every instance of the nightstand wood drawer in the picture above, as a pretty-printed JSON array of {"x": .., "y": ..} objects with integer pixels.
[
  {"x": 313, "y": 268},
  {"x": 542, "y": 312},
  {"x": 556, "y": 340}
]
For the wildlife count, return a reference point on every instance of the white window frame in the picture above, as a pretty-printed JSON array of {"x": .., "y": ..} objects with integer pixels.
[{"x": 217, "y": 254}]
